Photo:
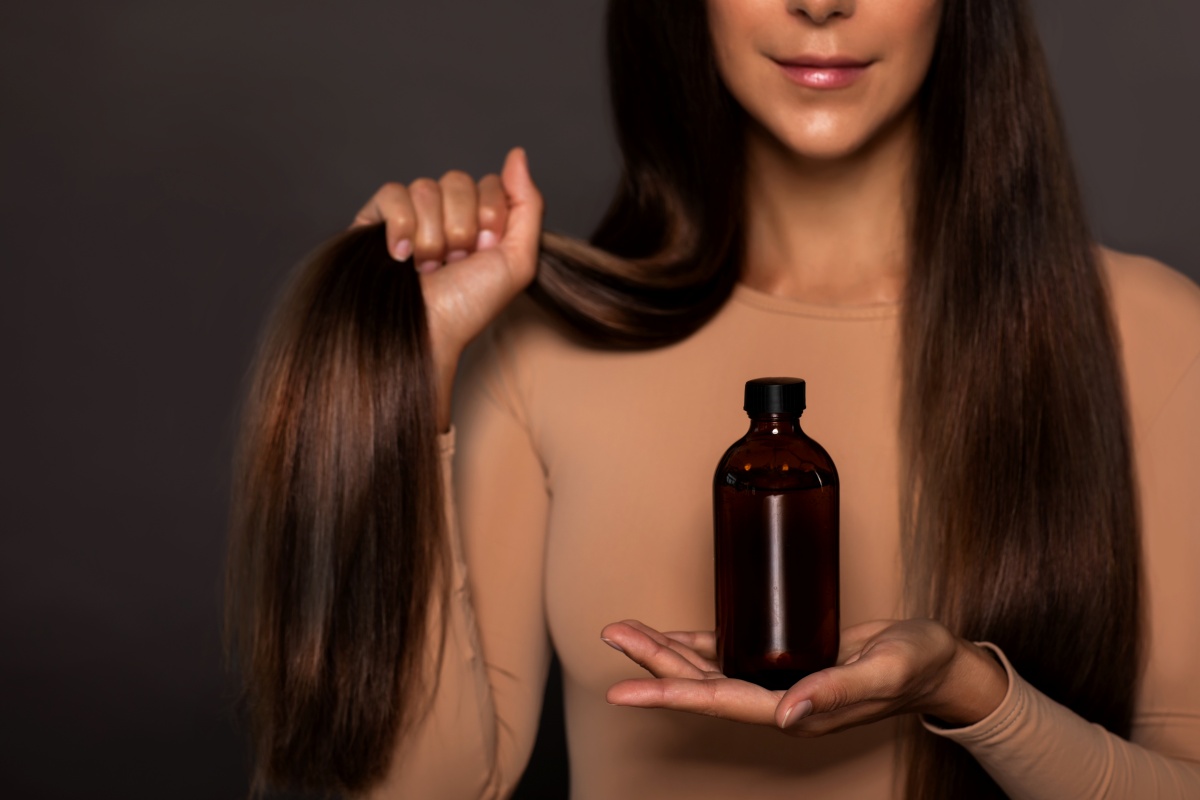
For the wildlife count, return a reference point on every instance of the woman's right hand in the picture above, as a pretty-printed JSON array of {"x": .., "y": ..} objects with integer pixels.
[{"x": 474, "y": 245}]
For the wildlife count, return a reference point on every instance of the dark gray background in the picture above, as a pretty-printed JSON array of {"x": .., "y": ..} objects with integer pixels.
[{"x": 164, "y": 165}]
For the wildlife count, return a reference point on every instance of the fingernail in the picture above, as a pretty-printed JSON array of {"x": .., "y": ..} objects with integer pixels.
[
  {"x": 428, "y": 266},
  {"x": 612, "y": 644},
  {"x": 797, "y": 713},
  {"x": 456, "y": 255},
  {"x": 404, "y": 249},
  {"x": 485, "y": 240}
]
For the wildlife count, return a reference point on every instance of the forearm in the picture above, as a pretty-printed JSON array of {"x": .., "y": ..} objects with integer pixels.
[
  {"x": 445, "y": 366},
  {"x": 451, "y": 751},
  {"x": 1037, "y": 749}
]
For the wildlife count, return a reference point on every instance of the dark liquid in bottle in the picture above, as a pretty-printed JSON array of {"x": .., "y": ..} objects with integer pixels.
[{"x": 777, "y": 571}]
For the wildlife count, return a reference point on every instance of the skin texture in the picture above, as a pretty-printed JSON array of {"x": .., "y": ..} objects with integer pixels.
[{"x": 827, "y": 202}]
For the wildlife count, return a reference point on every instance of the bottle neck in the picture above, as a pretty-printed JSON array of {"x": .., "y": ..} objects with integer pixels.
[{"x": 774, "y": 425}]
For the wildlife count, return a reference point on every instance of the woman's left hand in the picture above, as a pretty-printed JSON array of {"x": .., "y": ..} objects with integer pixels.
[{"x": 884, "y": 668}]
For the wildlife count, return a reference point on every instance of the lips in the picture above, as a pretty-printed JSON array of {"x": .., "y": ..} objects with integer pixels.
[{"x": 823, "y": 72}]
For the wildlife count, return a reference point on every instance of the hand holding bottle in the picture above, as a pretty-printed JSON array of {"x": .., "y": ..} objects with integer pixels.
[
  {"x": 885, "y": 668},
  {"x": 475, "y": 246}
]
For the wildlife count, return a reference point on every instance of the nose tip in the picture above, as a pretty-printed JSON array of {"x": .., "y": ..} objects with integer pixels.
[{"x": 821, "y": 11}]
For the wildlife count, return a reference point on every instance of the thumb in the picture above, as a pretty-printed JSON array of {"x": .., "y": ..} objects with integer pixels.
[
  {"x": 827, "y": 690},
  {"x": 523, "y": 228}
]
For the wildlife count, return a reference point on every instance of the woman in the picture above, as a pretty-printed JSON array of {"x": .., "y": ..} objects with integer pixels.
[{"x": 874, "y": 196}]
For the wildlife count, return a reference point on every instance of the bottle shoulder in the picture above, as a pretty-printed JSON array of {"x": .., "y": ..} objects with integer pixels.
[{"x": 776, "y": 462}]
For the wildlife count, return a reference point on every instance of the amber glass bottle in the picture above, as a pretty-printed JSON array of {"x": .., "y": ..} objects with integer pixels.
[{"x": 775, "y": 503}]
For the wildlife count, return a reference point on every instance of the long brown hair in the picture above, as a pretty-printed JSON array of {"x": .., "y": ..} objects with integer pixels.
[
  {"x": 336, "y": 549},
  {"x": 1019, "y": 516}
]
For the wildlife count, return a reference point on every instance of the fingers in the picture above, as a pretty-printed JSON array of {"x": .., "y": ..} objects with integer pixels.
[
  {"x": 522, "y": 231},
  {"x": 392, "y": 206},
  {"x": 830, "y": 689},
  {"x": 722, "y": 697},
  {"x": 679, "y": 645},
  {"x": 443, "y": 221},
  {"x": 808, "y": 725},
  {"x": 871, "y": 682},
  {"x": 460, "y": 223},
  {"x": 704, "y": 643},
  {"x": 652, "y": 651},
  {"x": 493, "y": 211},
  {"x": 430, "y": 240}
]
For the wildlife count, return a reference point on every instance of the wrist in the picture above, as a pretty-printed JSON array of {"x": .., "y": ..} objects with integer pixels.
[
  {"x": 445, "y": 365},
  {"x": 973, "y": 686}
]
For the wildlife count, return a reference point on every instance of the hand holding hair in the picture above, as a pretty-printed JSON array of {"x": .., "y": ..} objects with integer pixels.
[
  {"x": 474, "y": 245},
  {"x": 885, "y": 667}
]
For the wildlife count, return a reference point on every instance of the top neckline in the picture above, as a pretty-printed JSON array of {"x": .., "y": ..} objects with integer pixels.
[{"x": 788, "y": 305}]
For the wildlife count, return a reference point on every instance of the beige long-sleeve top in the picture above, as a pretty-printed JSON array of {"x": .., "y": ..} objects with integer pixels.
[{"x": 579, "y": 486}]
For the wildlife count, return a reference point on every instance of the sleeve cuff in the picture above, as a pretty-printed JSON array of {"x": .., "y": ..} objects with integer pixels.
[{"x": 1011, "y": 708}]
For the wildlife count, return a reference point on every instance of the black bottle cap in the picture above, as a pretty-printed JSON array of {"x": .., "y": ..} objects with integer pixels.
[{"x": 774, "y": 396}]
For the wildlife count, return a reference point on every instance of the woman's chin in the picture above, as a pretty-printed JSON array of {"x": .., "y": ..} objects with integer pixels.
[
  {"x": 820, "y": 140},
  {"x": 825, "y": 149},
  {"x": 831, "y": 139}
]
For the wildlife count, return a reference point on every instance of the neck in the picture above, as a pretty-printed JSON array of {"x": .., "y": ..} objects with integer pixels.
[{"x": 832, "y": 232}]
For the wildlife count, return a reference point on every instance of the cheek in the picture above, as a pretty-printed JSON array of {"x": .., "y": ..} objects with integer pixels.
[
  {"x": 913, "y": 26},
  {"x": 731, "y": 34}
]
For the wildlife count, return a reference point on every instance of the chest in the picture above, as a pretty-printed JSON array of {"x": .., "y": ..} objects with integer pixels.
[{"x": 630, "y": 532}]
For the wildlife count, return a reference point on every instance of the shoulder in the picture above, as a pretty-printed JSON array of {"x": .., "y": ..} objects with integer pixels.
[
  {"x": 509, "y": 359},
  {"x": 1157, "y": 313},
  {"x": 1146, "y": 291}
]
